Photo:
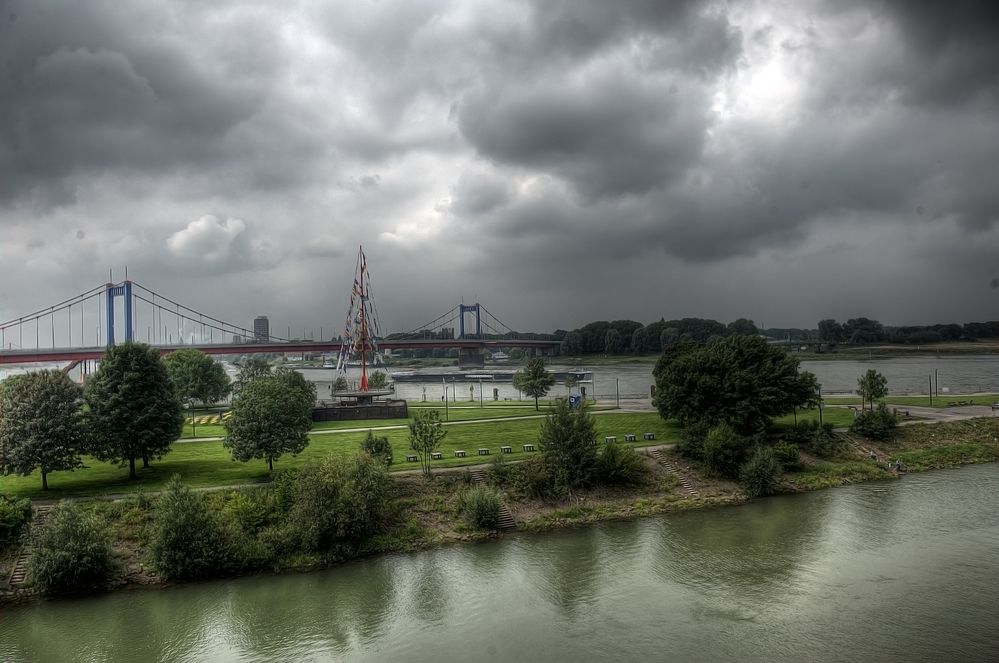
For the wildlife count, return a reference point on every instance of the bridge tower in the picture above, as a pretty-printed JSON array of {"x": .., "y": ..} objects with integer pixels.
[
  {"x": 111, "y": 292},
  {"x": 476, "y": 310}
]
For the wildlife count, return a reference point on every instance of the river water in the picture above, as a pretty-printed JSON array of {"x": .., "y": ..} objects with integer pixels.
[
  {"x": 889, "y": 571},
  {"x": 955, "y": 375}
]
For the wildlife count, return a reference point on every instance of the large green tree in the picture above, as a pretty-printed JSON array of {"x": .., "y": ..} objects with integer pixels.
[
  {"x": 40, "y": 424},
  {"x": 568, "y": 443},
  {"x": 271, "y": 416},
  {"x": 196, "y": 376},
  {"x": 132, "y": 408},
  {"x": 739, "y": 380},
  {"x": 533, "y": 379}
]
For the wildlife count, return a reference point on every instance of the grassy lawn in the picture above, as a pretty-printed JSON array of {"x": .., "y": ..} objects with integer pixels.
[
  {"x": 923, "y": 400},
  {"x": 454, "y": 414},
  {"x": 838, "y": 417},
  {"x": 208, "y": 463}
]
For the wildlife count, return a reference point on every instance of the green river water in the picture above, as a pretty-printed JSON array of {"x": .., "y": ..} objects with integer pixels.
[{"x": 892, "y": 571}]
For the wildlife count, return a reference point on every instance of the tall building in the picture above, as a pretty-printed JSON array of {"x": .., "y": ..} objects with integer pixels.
[{"x": 261, "y": 329}]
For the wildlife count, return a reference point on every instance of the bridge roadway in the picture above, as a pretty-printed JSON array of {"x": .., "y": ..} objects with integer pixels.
[{"x": 80, "y": 354}]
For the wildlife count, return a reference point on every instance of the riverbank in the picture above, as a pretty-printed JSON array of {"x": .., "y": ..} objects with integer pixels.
[{"x": 427, "y": 515}]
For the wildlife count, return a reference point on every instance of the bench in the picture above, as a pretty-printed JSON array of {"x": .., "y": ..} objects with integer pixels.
[
  {"x": 506, "y": 450},
  {"x": 528, "y": 447},
  {"x": 648, "y": 436},
  {"x": 410, "y": 458},
  {"x": 483, "y": 452},
  {"x": 436, "y": 455},
  {"x": 630, "y": 437},
  {"x": 610, "y": 438},
  {"x": 459, "y": 453}
]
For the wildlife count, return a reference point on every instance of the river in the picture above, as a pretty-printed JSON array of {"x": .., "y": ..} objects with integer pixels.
[
  {"x": 888, "y": 571},
  {"x": 956, "y": 375}
]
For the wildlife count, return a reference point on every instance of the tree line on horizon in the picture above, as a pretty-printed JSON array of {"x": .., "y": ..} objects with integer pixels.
[{"x": 631, "y": 337}]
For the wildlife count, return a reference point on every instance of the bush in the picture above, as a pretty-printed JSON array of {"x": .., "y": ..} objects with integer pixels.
[
  {"x": 72, "y": 553},
  {"x": 817, "y": 439},
  {"x": 761, "y": 473},
  {"x": 339, "y": 501},
  {"x": 691, "y": 442},
  {"x": 619, "y": 464},
  {"x": 724, "y": 451},
  {"x": 877, "y": 424},
  {"x": 500, "y": 473},
  {"x": 530, "y": 478},
  {"x": 14, "y": 514},
  {"x": 191, "y": 541},
  {"x": 480, "y": 507},
  {"x": 378, "y": 447},
  {"x": 787, "y": 455}
]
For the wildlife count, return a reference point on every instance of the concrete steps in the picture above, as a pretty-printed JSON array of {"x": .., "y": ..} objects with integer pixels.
[
  {"x": 19, "y": 574},
  {"x": 505, "y": 520},
  {"x": 674, "y": 469}
]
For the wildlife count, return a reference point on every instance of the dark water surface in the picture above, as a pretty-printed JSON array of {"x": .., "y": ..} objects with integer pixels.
[{"x": 890, "y": 571}]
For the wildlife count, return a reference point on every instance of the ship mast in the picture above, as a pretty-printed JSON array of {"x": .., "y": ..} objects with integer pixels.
[{"x": 363, "y": 336}]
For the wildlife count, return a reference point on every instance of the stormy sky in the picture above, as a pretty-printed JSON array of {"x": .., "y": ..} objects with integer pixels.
[{"x": 559, "y": 161}]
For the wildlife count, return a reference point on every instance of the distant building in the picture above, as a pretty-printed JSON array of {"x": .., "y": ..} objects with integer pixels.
[{"x": 261, "y": 329}]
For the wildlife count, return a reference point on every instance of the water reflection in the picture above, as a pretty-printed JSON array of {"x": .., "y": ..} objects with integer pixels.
[{"x": 896, "y": 571}]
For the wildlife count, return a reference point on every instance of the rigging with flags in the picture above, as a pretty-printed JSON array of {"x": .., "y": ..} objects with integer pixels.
[{"x": 361, "y": 328}]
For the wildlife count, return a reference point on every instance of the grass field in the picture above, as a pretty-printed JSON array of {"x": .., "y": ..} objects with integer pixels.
[
  {"x": 942, "y": 401},
  {"x": 208, "y": 463}
]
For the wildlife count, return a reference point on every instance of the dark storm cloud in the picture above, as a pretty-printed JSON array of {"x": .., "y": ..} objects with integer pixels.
[{"x": 741, "y": 149}]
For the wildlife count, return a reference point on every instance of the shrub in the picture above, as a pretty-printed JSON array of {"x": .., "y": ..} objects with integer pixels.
[
  {"x": 761, "y": 473},
  {"x": 378, "y": 447},
  {"x": 877, "y": 424},
  {"x": 500, "y": 473},
  {"x": 191, "y": 541},
  {"x": 724, "y": 451},
  {"x": 480, "y": 507},
  {"x": 619, "y": 464},
  {"x": 530, "y": 479},
  {"x": 72, "y": 552},
  {"x": 14, "y": 514},
  {"x": 787, "y": 455},
  {"x": 692, "y": 438},
  {"x": 817, "y": 439},
  {"x": 339, "y": 501}
]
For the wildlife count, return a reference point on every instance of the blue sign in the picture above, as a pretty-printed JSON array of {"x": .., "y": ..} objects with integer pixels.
[{"x": 575, "y": 400}]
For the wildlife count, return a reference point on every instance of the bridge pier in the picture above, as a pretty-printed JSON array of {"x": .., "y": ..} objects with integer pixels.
[{"x": 471, "y": 358}]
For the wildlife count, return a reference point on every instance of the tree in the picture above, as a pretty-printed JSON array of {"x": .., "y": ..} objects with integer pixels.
[
  {"x": 378, "y": 380},
  {"x": 132, "y": 408},
  {"x": 41, "y": 426},
  {"x": 271, "y": 416},
  {"x": 425, "y": 435},
  {"x": 871, "y": 386},
  {"x": 534, "y": 380},
  {"x": 613, "y": 342},
  {"x": 568, "y": 443},
  {"x": 863, "y": 330},
  {"x": 877, "y": 423},
  {"x": 196, "y": 376},
  {"x": 724, "y": 450},
  {"x": 739, "y": 380},
  {"x": 378, "y": 447},
  {"x": 830, "y": 332},
  {"x": 742, "y": 327},
  {"x": 340, "y": 384},
  {"x": 249, "y": 370}
]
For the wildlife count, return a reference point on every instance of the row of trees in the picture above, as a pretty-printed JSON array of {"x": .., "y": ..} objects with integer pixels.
[
  {"x": 865, "y": 330},
  {"x": 131, "y": 410},
  {"x": 628, "y": 336}
]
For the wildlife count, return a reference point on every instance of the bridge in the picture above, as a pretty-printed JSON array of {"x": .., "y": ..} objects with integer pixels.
[{"x": 81, "y": 328}]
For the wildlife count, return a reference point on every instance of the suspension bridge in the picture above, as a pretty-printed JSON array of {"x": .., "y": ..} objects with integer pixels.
[{"x": 81, "y": 328}]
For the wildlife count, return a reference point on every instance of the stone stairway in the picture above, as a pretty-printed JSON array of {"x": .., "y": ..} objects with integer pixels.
[
  {"x": 672, "y": 468},
  {"x": 505, "y": 520},
  {"x": 19, "y": 574}
]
